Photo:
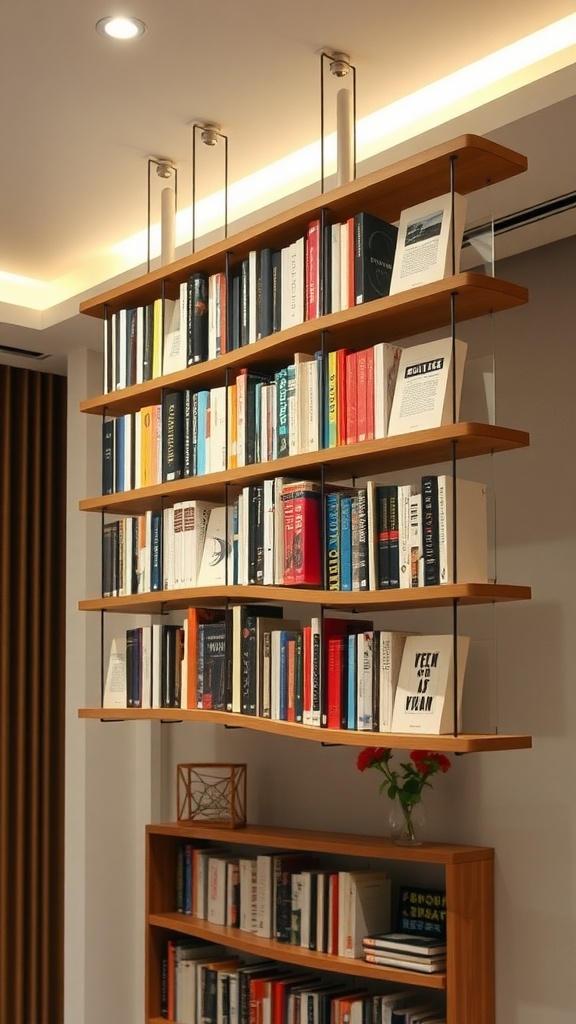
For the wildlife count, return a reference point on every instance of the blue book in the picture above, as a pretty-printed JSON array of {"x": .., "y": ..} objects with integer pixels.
[
  {"x": 346, "y": 542},
  {"x": 155, "y": 551},
  {"x": 333, "y": 540},
  {"x": 281, "y": 379},
  {"x": 203, "y": 405},
  {"x": 285, "y": 636}
]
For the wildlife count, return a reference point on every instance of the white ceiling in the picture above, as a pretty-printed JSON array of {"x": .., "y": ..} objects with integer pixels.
[{"x": 80, "y": 115}]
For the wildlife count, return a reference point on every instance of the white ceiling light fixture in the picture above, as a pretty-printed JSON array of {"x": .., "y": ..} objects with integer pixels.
[{"x": 121, "y": 28}]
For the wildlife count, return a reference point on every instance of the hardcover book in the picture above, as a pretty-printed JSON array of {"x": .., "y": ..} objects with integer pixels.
[
  {"x": 375, "y": 245},
  {"x": 428, "y": 236},
  {"x": 197, "y": 341}
]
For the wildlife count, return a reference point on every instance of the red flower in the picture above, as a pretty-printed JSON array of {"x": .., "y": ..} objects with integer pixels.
[
  {"x": 370, "y": 756},
  {"x": 429, "y": 761}
]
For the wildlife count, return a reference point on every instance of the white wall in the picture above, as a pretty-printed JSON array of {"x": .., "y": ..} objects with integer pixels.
[{"x": 520, "y": 802}]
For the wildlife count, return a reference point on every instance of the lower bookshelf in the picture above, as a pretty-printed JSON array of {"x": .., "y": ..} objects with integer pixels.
[{"x": 467, "y": 878}]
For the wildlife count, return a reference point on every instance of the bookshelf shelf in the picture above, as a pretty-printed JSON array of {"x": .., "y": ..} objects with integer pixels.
[
  {"x": 405, "y": 451},
  {"x": 468, "y": 882}
]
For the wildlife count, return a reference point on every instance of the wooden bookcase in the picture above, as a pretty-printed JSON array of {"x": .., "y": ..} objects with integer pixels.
[
  {"x": 468, "y": 982},
  {"x": 468, "y": 871}
]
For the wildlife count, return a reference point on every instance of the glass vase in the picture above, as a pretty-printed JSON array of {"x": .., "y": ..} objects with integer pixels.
[{"x": 407, "y": 823}]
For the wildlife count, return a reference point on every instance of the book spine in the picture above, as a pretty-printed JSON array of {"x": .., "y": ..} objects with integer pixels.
[
  {"x": 197, "y": 339},
  {"x": 333, "y": 541},
  {"x": 430, "y": 530},
  {"x": 172, "y": 435}
]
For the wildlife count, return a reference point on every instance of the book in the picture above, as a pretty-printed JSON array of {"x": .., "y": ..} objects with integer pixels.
[
  {"x": 364, "y": 906},
  {"x": 243, "y": 697},
  {"x": 302, "y": 532},
  {"x": 429, "y": 236},
  {"x": 212, "y": 666},
  {"x": 428, "y": 386},
  {"x": 215, "y": 568},
  {"x": 390, "y": 654},
  {"x": 172, "y": 435},
  {"x": 115, "y": 691},
  {"x": 197, "y": 340},
  {"x": 468, "y": 497},
  {"x": 423, "y": 964},
  {"x": 400, "y": 942},
  {"x": 374, "y": 247},
  {"x": 422, "y": 912},
  {"x": 424, "y": 701}
]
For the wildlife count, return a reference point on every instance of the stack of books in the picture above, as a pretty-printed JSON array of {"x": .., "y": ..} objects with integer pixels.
[{"x": 411, "y": 952}]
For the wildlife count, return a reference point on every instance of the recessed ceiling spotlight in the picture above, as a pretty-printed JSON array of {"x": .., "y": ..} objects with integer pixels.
[{"x": 121, "y": 28}]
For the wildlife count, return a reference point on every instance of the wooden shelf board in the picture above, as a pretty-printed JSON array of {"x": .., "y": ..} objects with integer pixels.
[
  {"x": 245, "y": 942},
  {"x": 462, "y": 744},
  {"x": 385, "y": 192},
  {"x": 345, "y": 843},
  {"x": 389, "y": 319},
  {"x": 381, "y": 455},
  {"x": 367, "y": 600}
]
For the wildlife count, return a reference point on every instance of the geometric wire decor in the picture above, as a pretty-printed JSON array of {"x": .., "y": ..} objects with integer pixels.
[{"x": 213, "y": 794}]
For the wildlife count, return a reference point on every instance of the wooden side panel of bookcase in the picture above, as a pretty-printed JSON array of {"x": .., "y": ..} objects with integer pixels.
[{"x": 470, "y": 965}]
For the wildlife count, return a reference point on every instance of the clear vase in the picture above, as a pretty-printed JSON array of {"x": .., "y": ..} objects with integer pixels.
[{"x": 407, "y": 823}]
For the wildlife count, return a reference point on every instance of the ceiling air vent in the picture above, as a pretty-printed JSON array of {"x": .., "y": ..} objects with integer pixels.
[{"x": 24, "y": 353}]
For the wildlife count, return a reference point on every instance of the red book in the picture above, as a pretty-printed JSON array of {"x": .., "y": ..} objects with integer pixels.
[
  {"x": 302, "y": 533},
  {"x": 333, "y": 914},
  {"x": 351, "y": 397},
  {"x": 334, "y": 680},
  {"x": 369, "y": 394},
  {"x": 362, "y": 392},
  {"x": 290, "y": 680},
  {"x": 280, "y": 991},
  {"x": 335, "y": 628},
  {"x": 312, "y": 270}
]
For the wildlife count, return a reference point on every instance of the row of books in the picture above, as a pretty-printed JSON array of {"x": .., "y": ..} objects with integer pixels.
[
  {"x": 284, "y": 896},
  {"x": 259, "y": 417},
  {"x": 268, "y": 291},
  {"x": 337, "y": 674},
  {"x": 331, "y": 267},
  {"x": 275, "y": 532},
  {"x": 204, "y": 985},
  {"x": 316, "y": 402},
  {"x": 414, "y": 953}
]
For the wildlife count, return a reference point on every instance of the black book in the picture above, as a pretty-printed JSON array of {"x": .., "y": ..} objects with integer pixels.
[
  {"x": 430, "y": 541},
  {"x": 326, "y": 276},
  {"x": 234, "y": 312},
  {"x": 108, "y": 456},
  {"x": 148, "y": 344},
  {"x": 393, "y": 538},
  {"x": 171, "y": 666},
  {"x": 187, "y": 432},
  {"x": 360, "y": 544},
  {"x": 255, "y": 494},
  {"x": 374, "y": 247},
  {"x": 131, "y": 346},
  {"x": 109, "y": 557},
  {"x": 213, "y": 662},
  {"x": 244, "y": 302},
  {"x": 172, "y": 435},
  {"x": 156, "y": 580},
  {"x": 133, "y": 668},
  {"x": 265, "y": 294},
  {"x": 197, "y": 341},
  {"x": 276, "y": 290},
  {"x": 253, "y": 378},
  {"x": 382, "y": 535},
  {"x": 246, "y": 649}
]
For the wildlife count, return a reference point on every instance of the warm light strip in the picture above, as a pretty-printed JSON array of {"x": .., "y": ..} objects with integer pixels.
[{"x": 499, "y": 73}]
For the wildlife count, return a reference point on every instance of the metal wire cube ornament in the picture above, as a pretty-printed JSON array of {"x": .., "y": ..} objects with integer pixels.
[{"x": 213, "y": 794}]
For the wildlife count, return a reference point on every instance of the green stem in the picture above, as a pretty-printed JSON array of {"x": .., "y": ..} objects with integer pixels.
[{"x": 407, "y": 812}]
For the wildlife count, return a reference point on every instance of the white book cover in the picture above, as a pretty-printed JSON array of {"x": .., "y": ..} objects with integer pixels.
[
  {"x": 252, "y": 295},
  {"x": 366, "y": 902},
  {"x": 471, "y": 530},
  {"x": 268, "y": 498},
  {"x": 121, "y": 347},
  {"x": 364, "y": 680},
  {"x": 371, "y": 530},
  {"x": 217, "y": 888},
  {"x": 391, "y": 651},
  {"x": 424, "y": 246},
  {"x": 344, "y": 265},
  {"x": 212, "y": 315},
  {"x": 404, "y": 500},
  {"x": 303, "y": 361},
  {"x": 115, "y": 684},
  {"x": 156, "y": 660},
  {"x": 174, "y": 349},
  {"x": 146, "y": 697},
  {"x": 424, "y": 701},
  {"x": 424, "y": 395},
  {"x": 264, "y": 863},
  {"x": 292, "y": 276},
  {"x": 248, "y": 894},
  {"x": 139, "y": 345},
  {"x": 215, "y": 568},
  {"x": 312, "y": 716},
  {"x": 415, "y": 553},
  {"x": 168, "y": 548},
  {"x": 386, "y": 363},
  {"x": 176, "y": 544}
]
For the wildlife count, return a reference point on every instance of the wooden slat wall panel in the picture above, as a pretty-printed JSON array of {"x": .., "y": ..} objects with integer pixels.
[{"x": 32, "y": 632}]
